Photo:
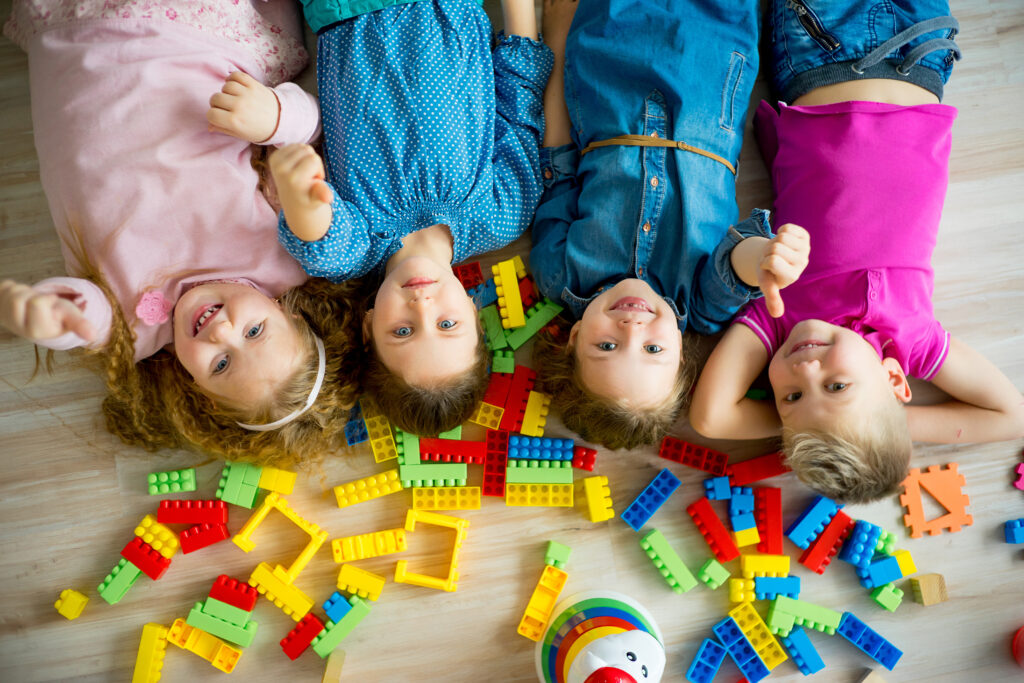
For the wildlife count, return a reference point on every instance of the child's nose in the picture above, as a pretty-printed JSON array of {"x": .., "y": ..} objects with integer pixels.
[{"x": 219, "y": 330}]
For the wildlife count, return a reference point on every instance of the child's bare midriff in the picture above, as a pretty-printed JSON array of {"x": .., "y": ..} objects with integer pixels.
[{"x": 871, "y": 90}]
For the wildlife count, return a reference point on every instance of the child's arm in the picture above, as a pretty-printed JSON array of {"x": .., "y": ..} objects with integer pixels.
[
  {"x": 248, "y": 110},
  {"x": 298, "y": 173},
  {"x": 558, "y": 16},
  {"x": 520, "y": 18},
  {"x": 720, "y": 408},
  {"x": 985, "y": 406},
  {"x": 772, "y": 264},
  {"x": 59, "y": 313}
]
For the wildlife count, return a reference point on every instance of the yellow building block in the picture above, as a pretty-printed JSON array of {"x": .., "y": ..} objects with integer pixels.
[
  {"x": 538, "y": 610},
  {"x": 487, "y": 415},
  {"x": 450, "y": 582},
  {"x": 745, "y": 537},
  {"x": 351, "y": 548},
  {"x": 539, "y": 495},
  {"x": 275, "y": 584},
  {"x": 517, "y": 263},
  {"x": 360, "y": 582},
  {"x": 273, "y": 479},
  {"x": 209, "y": 647},
  {"x": 71, "y": 603},
  {"x": 741, "y": 590},
  {"x": 446, "y": 498},
  {"x": 764, "y": 565},
  {"x": 510, "y": 303},
  {"x": 150, "y": 658},
  {"x": 756, "y": 631},
  {"x": 332, "y": 672},
  {"x": 536, "y": 415},
  {"x": 599, "y": 499},
  {"x": 906, "y": 562},
  {"x": 162, "y": 539},
  {"x": 274, "y": 501},
  {"x": 367, "y": 488}
]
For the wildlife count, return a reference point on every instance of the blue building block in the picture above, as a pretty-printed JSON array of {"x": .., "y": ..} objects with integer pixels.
[
  {"x": 740, "y": 649},
  {"x": 812, "y": 521},
  {"x": 771, "y": 587},
  {"x": 881, "y": 571},
  {"x": 650, "y": 499},
  {"x": 485, "y": 294},
  {"x": 706, "y": 663},
  {"x": 717, "y": 488},
  {"x": 872, "y": 644},
  {"x": 802, "y": 650},
  {"x": 741, "y": 501},
  {"x": 355, "y": 428},
  {"x": 744, "y": 521},
  {"x": 539, "y": 448},
  {"x": 1015, "y": 531},
  {"x": 859, "y": 547},
  {"x": 336, "y": 607}
]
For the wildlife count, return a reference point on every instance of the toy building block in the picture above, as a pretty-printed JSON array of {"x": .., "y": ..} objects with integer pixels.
[
  {"x": 233, "y": 592},
  {"x": 495, "y": 463},
  {"x": 378, "y": 429},
  {"x": 713, "y": 574},
  {"x": 239, "y": 483},
  {"x": 1017, "y": 646},
  {"x": 355, "y": 428},
  {"x": 1020, "y": 477},
  {"x": 539, "y": 472},
  {"x": 740, "y": 649},
  {"x": 202, "y": 535},
  {"x": 803, "y": 652},
  {"x": 946, "y": 486},
  {"x": 650, "y": 499},
  {"x": 71, "y": 603},
  {"x": 498, "y": 386},
  {"x": 881, "y": 571},
  {"x": 150, "y": 658},
  {"x": 519, "y": 265},
  {"x": 494, "y": 333},
  {"x": 211, "y": 648},
  {"x": 540, "y": 448},
  {"x": 741, "y": 501},
  {"x": 360, "y": 582},
  {"x": 535, "y": 417},
  {"x": 785, "y": 613},
  {"x": 713, "y": 531},
  {"x": 240, "y": 635},
  {"x": 192, "y": 512},
  {"x": 300, "y": 637},
  {"x": 450, "y": 582},
  {"x": 820, "y": 553},
  {"x": 599, "y": 499},
  {"x": 584, "y": 458},
  {"x": 173, "y": 481},
  {"x": 859, "y": 547},
  {"x": 557, "y": 554},
  {"x": 159, "y": 537},
  {"x": 510, "y": 304},
  {"x": 871, "y": 677},
  {"x": 452, "y": 450},
  {"x": 756, "y": 631},
  {"x": 273, "y": 479},
  {"x": 522, "y": 383},
  {"x": 484, "y": 294},
  {"x": 741, "y": 590},
  {"x": 756, "y": 469},
  {"x": 276, "y": 585},
  {"x": 887, "y": 596},
  {"x": 868, "y": 641},
  {"x": 433, "y": 474},
  {"x": 667, "y": 561},
  {"x": 537, "y": 317},
  {"x": 706, "y": 662},
  {"x": 905, "y": 562},
  {"x": 408, "y": 447},
  {"x": 335, "y": 632},
  {"x": 745, "y": 537},
  {"x": 273, "y": 501},
  {"x": 116, "y": 584},
  {"x": 690, "y": 455},
  {"x": 446, "y": 498},
  {"x": 226, "y": 611},
  {"x": 768, "y": 518},
  {"x": 1013, "y": 530},
  {"x": 527, "y": 291},
  {"x": 336, "y": 606},
  {"x": 538, "y": 495},
  {"x": 717, "y": 488},
  {"x": 469, "y": 274},
  {"x": 812, "y": 521},
  {"x": 542, "y": 602},
  {"x": 367, "y": 488},
  {"x": 487, "y": 415},
  {"x": 886, "y": 543},
  {"x": 503, "y": 362},
  {"x": 771, "y": 587},
  {"x": 332, "y": 671},
  {"x": 149, "y": 561}
]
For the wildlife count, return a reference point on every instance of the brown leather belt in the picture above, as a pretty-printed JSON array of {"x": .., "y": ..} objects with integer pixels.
[{"x": 648, "y": 141}]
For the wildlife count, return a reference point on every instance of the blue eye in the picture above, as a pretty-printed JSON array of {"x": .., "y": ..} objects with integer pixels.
[
  {"x": 652, "y": 348},
  {"x": 447, "y": 324},
  {"x": 221, "y": 365},
  {"x": 254, "y": 331},
  {"x": 607, "y": 346},
  {"x": 404, "y": 331}
]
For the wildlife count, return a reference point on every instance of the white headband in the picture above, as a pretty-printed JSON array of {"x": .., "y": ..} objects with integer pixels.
[{"x": 320, "y": 371}]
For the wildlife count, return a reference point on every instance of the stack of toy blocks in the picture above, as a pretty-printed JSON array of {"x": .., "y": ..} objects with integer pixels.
[
  {"x": 227, "y": 611},
  {"x": 208, "y": 646},
  {"x": 207, "y": 520},
  {"x": 538, "y": 471},
  {"x": 149, "y": 552},
  {"x": 413, "y": 472},
  {"x": 741, "y": 515},
  {"x": 545, "y": 594}
]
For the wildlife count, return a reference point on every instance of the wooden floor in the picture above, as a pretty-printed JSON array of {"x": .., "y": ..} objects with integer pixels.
[{"x": 70, "y": 495}]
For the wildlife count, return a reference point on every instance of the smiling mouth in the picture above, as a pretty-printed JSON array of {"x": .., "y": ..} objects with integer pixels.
[
  {"x": 418, "y": 282},
  {"x": 803, "y": 346},
  {"x": 632, "y": 303},
  {"x": 203, "y": 317}
]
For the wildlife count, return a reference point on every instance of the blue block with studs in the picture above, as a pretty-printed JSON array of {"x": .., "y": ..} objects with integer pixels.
[{"x": 650, "y": 499}]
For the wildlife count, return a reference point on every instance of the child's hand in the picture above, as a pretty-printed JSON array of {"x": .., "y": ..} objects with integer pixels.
[
  {"x": 244, "y": 109},
  {"x": 298, "y": 173},
  {"x": 782, "y": 261},
  {"x": 36, "y": 316}
]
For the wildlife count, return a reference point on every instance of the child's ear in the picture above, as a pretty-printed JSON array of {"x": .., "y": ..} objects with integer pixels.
[
  {"x": 897, "y": 380},
  {"x": 368, "y": 327},
  {"x": 573, "y": 333}
]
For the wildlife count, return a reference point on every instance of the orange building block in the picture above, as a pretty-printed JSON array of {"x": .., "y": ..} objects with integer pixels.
[{"x": 946, "y": 486}]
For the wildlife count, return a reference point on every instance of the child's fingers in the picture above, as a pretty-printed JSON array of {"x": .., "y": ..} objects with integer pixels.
[
  {"x": 219, "y": 118},
  {"x": 321, "y": 192},
  {"x": 772, "y": 297},
  {"x": 221, "y": 101},
  {"x": 782, "y": 272},
  {"x": 309, "y": 166},
  {"x": 241, "y": 78},
  {"x": 233, "y": 88},
  {"x": 72, "y": 320}
]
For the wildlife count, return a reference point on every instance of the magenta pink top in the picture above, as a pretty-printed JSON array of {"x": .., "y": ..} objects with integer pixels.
[{"x": 867, "y": 180}]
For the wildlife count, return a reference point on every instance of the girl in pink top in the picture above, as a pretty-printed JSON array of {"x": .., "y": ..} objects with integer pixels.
[
  {"x": 143, "y": 116},
  {"x": 859, "y": 159}
]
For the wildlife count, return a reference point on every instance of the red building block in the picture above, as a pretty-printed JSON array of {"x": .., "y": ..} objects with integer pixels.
[
  {"x": 768, "y": 515},
  {"x": 233, "y": 592},
  {"x": 820, "y": 553},
  {"x": 690, "y": 455},
  {"x": 756, "y": 469},
  {"x": 495, "y": 463},
  {"x": 515, "y": 407},
  {"x": 453, "y": 450},
  {"x": 202, "y": 535},
  {"x": 142, "y": 555},
  {"x": 527, "y": 292},
  {"x": 497, "y": 389},
  {"x": 584, "y": 458},
  {"x": 469, "y": 274},
  {"x": 299, "y": 638},
  {"x": 192, "y": 512},
  {"x": 713, "y": 531}
]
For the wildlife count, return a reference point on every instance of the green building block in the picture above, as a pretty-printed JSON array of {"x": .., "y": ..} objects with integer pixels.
[
  {"x": 408, "y": 446},
  {"x": 493, "y": 329},
  {"x": 229, "y": 613},
  {"x": 557, "y": 554},
  {"x": 539, "y": 315},
  {"x": 172, "y": 481},
  {"x": 503, "y": 361},
  {"x": 116, "y": 584},
  {"x": 239, "y": 635},
  {"x": 455, "y": 434},
  {"x": 785, "y": 613},
  {"x": 333, "y": 634},
  {"x": 713, "y": 574},
  {"x": 668, "y": 563},
  {"x": 886, "y": 543},
  {"x": 888, "y": 596},
  {"x": 432, "y": 474},
  {"x": 239, "y": 483},
  {"x": 539, "y": 472}
]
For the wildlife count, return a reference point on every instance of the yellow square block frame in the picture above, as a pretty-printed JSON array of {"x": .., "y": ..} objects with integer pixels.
[
  {"x": 450, "y": 582},
  {"x": 274, "y": 501}
]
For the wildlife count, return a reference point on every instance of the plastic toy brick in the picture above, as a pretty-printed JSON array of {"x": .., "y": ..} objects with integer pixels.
[
  {"x": 756, "y": 469},
  {"x": 332, "y": 670},
  {"x": 713, "y": 574},
  {"x": 233, "y": 592},
  {"x": 450, "y": 582},
  {"x": 495, "y": 463},
  {"x": 498, "y": 385},
  {"x": 740, "y": 649},
  {"x": 812, "y": 521},
  {"x": 868, "y": 641},
  {"x": 469, "y": 274},
  {"x": 149, "y": 561},
  {"x": 494, "y": 333},
  {"x": 276, "y": 586},
  {"x": 745, "y": 537},
  {"x": 650, "y": 499},
  {"x": 211, "y": 648},
  {"x": 785, "y": 613},
  {"x": 239, "y": 483},
  {"x": 1013, "y": 530},
  {"x": 538, "y": 495},
  {"x": 362, "y": 546},
  {"x": 446, "y": 498},
  {"x": 360, "y": 582},
  {"x": 433, "y": 474},
  {"x": 453, "y": 434},
  {"x": 859, "y": 547},
  {"x": 173, "y": 481},
  {"x": 487, "y": 415},
  {"x": 274, "y": 501},
  {"x": 484, "y": 294},
  {"x": 522, "y": 383},
  {"x": 713, "y": 531},
  {"x": 116, "y": 584},
  {"x": 510, "y": 304},
  {"x": 905, "y": 562},
  {"x": 946, "y": 486},
  {"x": 717, "y": 488},
  {"x": 542, "y": 602},
  {"x": 150, "y": 658},
  {"x": 281, "y": 481},
  {"x": 355, "y": 428},
  {"x": 768, "y": 516},
  {"x": 527, "y": 291},
  {"x": 367, "y": 488},
  {"x": 887, "y": 596},
  {"x": 520, "y": 267},
  {"x": 599, "y": 499},
  {"x": 741, "y": 501},
  {"x": 503, "y": 362},
  {"x": 1020, "y": 477},
  {"x": 929, "y": 589},
  {"x": 162, "y": 539},
  {"x": 741, "y": 590},
  {"x": 667, "y": 562},
  {"x": 584, "y": 458},
  {"x": 540, "y": 448},
  {"x": 536, "y": 415},
  {"x": 192, "y": 512},
  {"x": 756, "y": 631},
  {"x": 886, "y": 543},
  {"x": 690, "y": 455},
  {"x": 539, "y": 472},
  {"x": 706, "y": 662},
  {"x": 334, "y": 633},
  {"x": 537, "y": 317},
  {"x": 408, "y": 447},
  {"x": 557, "y": 554},
  {"x": 225, "y": 611},
  {"x": 202, "y": 535},
  {"x": 382, "y": 439},
  {"x": 299, "y": 638},
  {"x": 452, "y": 450},
  {"x": 819, "y": 555},
  {"x": 745, "y": 521},
  {"x": 232, "y": 633},
  {"x": 771, "y": 587},
  {"x": 881, "y": 571},
  {"x": 71, "y": 603},
  {"x": 336, "y": 607},
  {"x": 803, "y": 652},
  {"x": 764, "y": 565}
]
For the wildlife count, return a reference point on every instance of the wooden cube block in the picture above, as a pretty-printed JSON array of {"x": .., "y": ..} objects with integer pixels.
[{"x": 929, "y": 589}]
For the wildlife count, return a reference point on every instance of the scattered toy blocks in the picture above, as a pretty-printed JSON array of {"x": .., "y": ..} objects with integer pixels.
[
  {"x": 1013, "y": 530},
  {"x": 650, "y": 499},
  {"x": 211, "y": 648},
  {"x": 494, "y": 333},
  {"x": 276, "y": 585},
  {"x": 706, "y": 662},
  {"x": 334, "y": 633},
  {"x": 273, "y": 501},
  {"x": 888, "y": 596},
  {"x": 599, "y": 499},
  {"x": 1020, "y": 477},
  {"x": 332, "y": 671},
  {"x": 667, "y": 561},
  {"x": 510, "y": 304},
  {"x": 785, "y": 613},
  {"x": 362, "y": 546},
  {"x": 542, "y": 602},
  {"x": 537, "y": 317},
  {"x": 741, "y": 590},
  {"x": 690, "y": 455},
  {"x": 535, "y": 416},
  {"x": 202, "y": 535},
  {"x": 408, "y": 447},
  {"x": 487, "y": 415},
  {"x": 192, "y": 512},
  {"x": 503, "y": 361},
  {"x": 484, "y": 294},
  {"x": 336, "y": 606},
  {"x": 470, "y": 275},
  {"x": 717, "y": 488},
  {"x": 360, "y": 582},
  {"x": 159, "y": 537},
  {"x": 355, "y": 428},
  {"x": 771, "y": 587},
  {"x": 820, "y": 553},
  {"x": 539, "y": 495},
  {"x": 946, "y": 486},
  {"x": 239, "y": 483},
  {"x": 713, "y": 574},
  {"x": 233, "y": 592},
  {"x": 523, "y": 380},
  {"x": 150, "y": 658},
  {"x": 756, "y": 469},
  {"x": 740, "y": 649},
  {"x": 803, "y": 652},
  {"x": 367, "y": 488},
  {"x": 378, "y": 429},
  {"x": 584, "y": 458},
  {"x": 173, "y": 481},
  {"x": 300, "y": 637},
  {"x": 905, "y": 562},
  {"x": 868, "y": 641},
  {"x": 149, "y": 561},
  {"x": 812, "y": 521},
  {"x": 768, "y": 518},
  {"x": 281, "y": 481},
  {"x": 116, "y": 584},
  {"x": 881, "y": 571},
  {"x": 71, "y": 603},
  {"x": 745, "y": 537},
  {"x": 756, "y": 631},
  {"x": 495, "y": 463},
  {"x": 713, "y": 531},
  {"x": 860, "y": 545},
  {"x": 450, "y": 582},
  {"x": 557, "y": 554}
]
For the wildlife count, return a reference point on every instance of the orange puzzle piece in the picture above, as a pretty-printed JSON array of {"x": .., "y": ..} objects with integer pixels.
[{"x": 946, "y": 486}]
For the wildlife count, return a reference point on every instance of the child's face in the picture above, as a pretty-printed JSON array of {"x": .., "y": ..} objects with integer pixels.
[
  {"x": 825, "y": 374},
  {"x": 235, "y": 342},
  {"x": 628, "y": 345},
  {"x": 423, "y": 323}
]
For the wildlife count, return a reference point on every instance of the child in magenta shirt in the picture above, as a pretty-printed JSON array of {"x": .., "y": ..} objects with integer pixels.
[{"x": 859, "y": 158}]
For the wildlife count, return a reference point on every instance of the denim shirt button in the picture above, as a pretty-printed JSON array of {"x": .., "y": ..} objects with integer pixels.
[
  {"x": 654, "y": 181},
  {"x": 647, "y": 227},
  {"x": 639, "y": 271},
  {"x": 547, "y": 173},
  {"x": 654, "y": 134}
]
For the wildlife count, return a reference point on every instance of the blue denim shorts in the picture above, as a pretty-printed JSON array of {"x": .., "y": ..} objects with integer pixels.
[{"x": 824, "y": 42}]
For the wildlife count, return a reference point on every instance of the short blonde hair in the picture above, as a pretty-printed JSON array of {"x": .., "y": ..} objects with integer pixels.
[{"x": 853, "y": 467}]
